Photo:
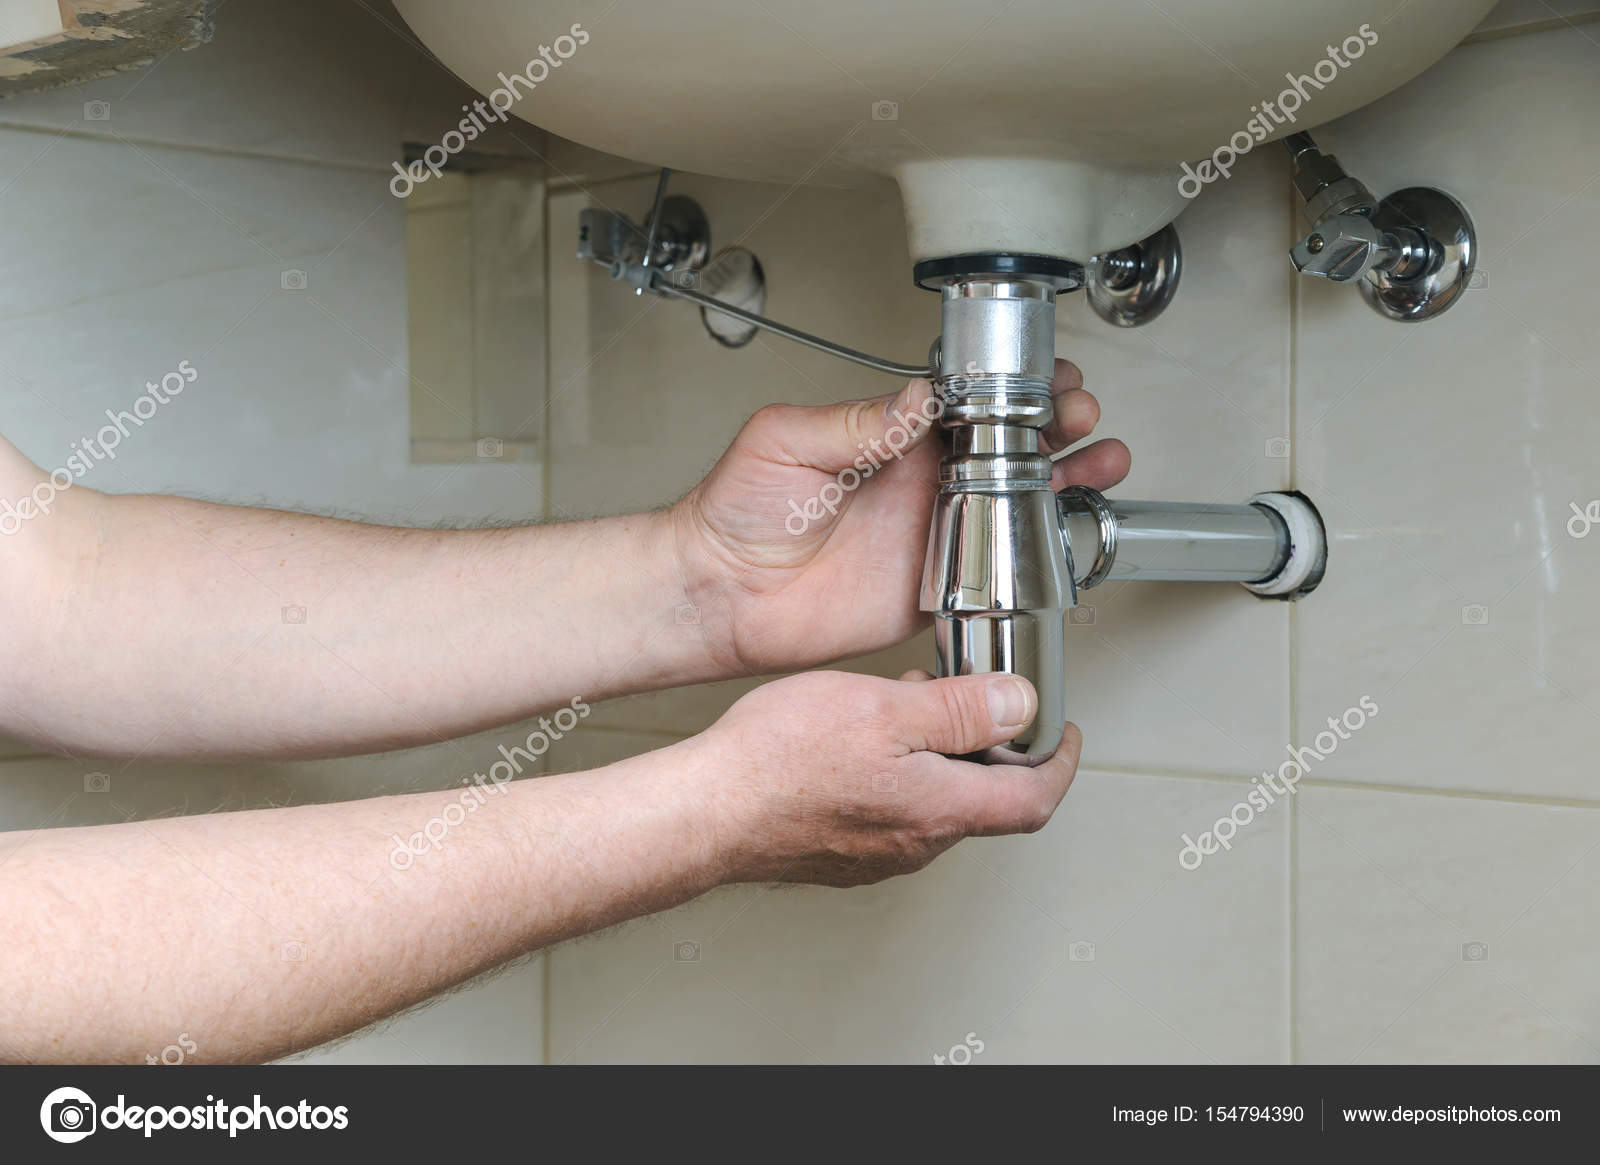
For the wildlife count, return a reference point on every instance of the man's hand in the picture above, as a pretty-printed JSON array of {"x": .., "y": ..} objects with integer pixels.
[
  {"x": 245, "y": 633},
  {"x": 805, "y": 543},
  {"x": 841, "y": 779},
  {"x": 266, "y": 936}
]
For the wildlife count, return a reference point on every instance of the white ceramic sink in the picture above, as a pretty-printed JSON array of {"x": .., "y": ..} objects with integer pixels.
[{"x": 1044, "y": 126}]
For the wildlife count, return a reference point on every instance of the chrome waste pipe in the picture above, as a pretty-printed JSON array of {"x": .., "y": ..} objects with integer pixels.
[
  {"x": 1189, "y": 542},
  {"x": 997, "y": 577},
  {"x": 1007, "y": 555}
]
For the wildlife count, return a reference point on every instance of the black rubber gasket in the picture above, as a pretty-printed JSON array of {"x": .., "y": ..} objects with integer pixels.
[{"x": 930, "y": 274}]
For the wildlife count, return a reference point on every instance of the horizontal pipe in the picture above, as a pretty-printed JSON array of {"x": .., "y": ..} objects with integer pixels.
[{"x": 1170, "y": 541}]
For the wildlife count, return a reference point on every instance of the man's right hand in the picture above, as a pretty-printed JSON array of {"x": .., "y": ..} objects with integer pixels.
[{"x": 843, "y": 779}]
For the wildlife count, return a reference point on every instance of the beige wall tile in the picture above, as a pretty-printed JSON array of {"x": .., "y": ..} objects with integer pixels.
[
  {"x": 1443, "y": 929},
  {"x": 1448, "y": 456},
  {"x": 1085, "y": 942}
]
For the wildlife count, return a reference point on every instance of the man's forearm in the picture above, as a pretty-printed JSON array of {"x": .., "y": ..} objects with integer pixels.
[
  {"x": 261, "y": 933},
  {"x": 177, "y": 628}
]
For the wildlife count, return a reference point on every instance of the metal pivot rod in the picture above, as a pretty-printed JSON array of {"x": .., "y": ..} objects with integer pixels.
[
  {"x": 1127, "y": 287},
  {"x": 666, "y": 256},
  {"x": 666, "y": 287},
  {"x": 663, "y": 280},
  {"x": 653, "y": 226}
]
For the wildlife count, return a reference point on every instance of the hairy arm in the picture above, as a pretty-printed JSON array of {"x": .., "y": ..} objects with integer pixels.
[
  {"x": 260, "y": 933},
  {"x": 158, "y": 627},
  {"x": 167, "y": 628}
]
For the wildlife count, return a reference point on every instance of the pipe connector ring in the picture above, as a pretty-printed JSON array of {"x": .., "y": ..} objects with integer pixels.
[
  {"x": 1084, "y": 498},
  {"x": 1307, "y": 559}
]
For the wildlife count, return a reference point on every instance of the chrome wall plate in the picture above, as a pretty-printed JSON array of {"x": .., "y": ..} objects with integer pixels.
[
  {"x": 1134, "y": 285},
  {"x": 1451, "y": 239}
]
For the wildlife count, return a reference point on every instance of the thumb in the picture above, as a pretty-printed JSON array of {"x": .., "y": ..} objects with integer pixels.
[
  {"x": 883, "y": 428},
  {"x": 962, "y": 714}
]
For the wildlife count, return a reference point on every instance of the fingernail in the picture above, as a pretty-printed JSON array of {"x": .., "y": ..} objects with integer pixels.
[
  {"x": 1009, "y": 703},
  {"x": 889, "y": 408}
]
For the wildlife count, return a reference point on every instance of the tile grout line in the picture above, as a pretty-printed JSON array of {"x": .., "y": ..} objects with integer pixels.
[
  {"x": 1531, "y": 800},
  {"x": 546, "y": 430},
  {"x": 1530, "y": 27},
  {"x": 1150, "y": 772},
  {"x": 1528, "y": 799},
  {"x": 545, "y": 1011},
  {"x": 569, "y": 183},
  {"x": 1292, "y": 881},
  {"x": 215, "y": 151},
  {"x": 546, "y": 483}
]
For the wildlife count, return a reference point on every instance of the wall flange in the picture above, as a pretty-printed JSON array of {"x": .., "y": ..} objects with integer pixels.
[
  {"x": 1134, "y": 285},
  {"x": 1452, "y": 245}
]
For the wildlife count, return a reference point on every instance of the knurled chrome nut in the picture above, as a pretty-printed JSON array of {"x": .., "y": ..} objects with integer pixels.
[
  {"x": 1314, "y": 170},
  {"x": 1022, "y": 470},
  {"x": 1346, "y": 196}
]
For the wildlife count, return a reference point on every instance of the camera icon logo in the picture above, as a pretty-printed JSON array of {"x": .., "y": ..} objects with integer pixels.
[
  {"x": 960, "y": 1055},
  {"x": 293, "y": 951},
  {"x": 885, "y": 111},
  {"x": 1475, "y": 615},
  {"x": 491, "y": 447},
  {"x": 885, "y": 783},
  {"x": 294, "y": 613},
  {"x": 97, "y": 782},
  {"x": 688, "y": 615},
  {"x": 1082, "y": 615},
  {"x": 1081, "y": 952},
  {"x": 1277, "y": 447},
  {"x": 97, "y": 111},
  {"x": 1474, "y": 952},
  {"x": 67, "y": 1115},
  {"x": 686, "y": 278},
  {"x": 293, "y": 279},
  {"x": 1478, "y": 280},
  {"x": 685, "y": 952}
]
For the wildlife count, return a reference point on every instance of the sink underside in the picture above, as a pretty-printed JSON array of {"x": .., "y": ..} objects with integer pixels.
[{"x": 1044, "y": 126}]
